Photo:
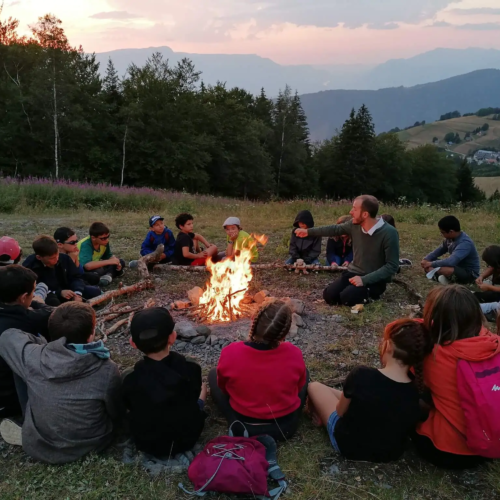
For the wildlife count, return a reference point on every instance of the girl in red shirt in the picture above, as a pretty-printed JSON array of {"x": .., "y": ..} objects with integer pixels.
[{"x": 262, "y": 382}]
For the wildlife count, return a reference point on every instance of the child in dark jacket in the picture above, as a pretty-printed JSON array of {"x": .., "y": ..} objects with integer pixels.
[
  {"x": 339, "y": 248},
  {"x": 58, "y": 272},
  {"x": 164, "y": 393},
  {"x": 307, "y": 249},
  {"x": 158, "y": 234}
]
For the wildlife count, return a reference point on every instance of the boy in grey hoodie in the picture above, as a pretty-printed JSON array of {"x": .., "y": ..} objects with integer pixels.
[
  {"x": 74, "y": 389},
  {"x": 308, "y": 249}
]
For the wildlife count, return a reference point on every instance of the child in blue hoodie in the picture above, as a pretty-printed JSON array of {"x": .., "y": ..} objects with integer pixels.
[{"x": 159, "y": 234}]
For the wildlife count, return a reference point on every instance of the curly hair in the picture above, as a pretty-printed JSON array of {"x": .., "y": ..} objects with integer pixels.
[
  {"x": 411, "y": 345},
  {"x": 271, "y": 324}
]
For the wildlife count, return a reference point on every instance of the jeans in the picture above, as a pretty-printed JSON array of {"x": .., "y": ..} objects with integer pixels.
[
  {"x": 280, "y": 429},
  {"x": 338, "y": 259},
  {"x": 314, "y": 262},
  {"x": 341, "y": 292},
  {"x": 111, "y": 270}
]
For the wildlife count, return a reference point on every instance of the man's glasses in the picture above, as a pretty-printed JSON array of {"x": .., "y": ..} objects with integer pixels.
[
  {"x": 72, "y": 242},
  {"x": 103, "y": 238}
]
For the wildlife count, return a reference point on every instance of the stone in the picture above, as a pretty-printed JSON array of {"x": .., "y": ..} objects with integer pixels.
[
  {"x": 212, "y": 340},
  {"x": 298, "y": 320},
  {"x": 180, "y": 345},
  {"x": 194, "y": 295},
  {"x": 355, "y": 352},
  {"x": 293, "y": 329},
  {"x": 203, "y": 330},
  {"x": 338, "y": 318},
  {"x": 182, "y": 304},
  {"x": 185, "y": 330},
  {"x": 334, "y": 470},
  {"x": 297, "y": 306},
  {"x": 259, "y": 297},
  {"x": 198, "y": 340}
]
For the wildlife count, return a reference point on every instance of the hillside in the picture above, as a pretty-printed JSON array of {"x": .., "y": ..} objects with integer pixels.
[
  {"x": 418, "y": 136},
  {"x": 488, "y": 184},
  {"x": 253, "y": 72},
  {"x": 398, "y": 107}
]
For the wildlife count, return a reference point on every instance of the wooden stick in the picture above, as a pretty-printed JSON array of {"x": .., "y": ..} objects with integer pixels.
[
  {"x": 151, "y": 258},
  {"x": 125, "y": 310},
  {"x": 138, "y": 287},
  {"x": 117, "y": 326},
  {"x": 200, "y": 269},
  {"x": 411, "y": 291}
]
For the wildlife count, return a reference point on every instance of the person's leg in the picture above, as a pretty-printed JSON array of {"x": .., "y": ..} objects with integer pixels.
[
  {"x": 323, "y": 401},
  {"x": 331, "y": 293},
  {"x": 91, "y": 278},
  {"x": 487, "y": 297},
  {"x": 376, "y": 290},
  {"x": 290, "y": 261},
  {"x": 303, "y": 391},
  {"x": 353, "y": 295},
  {"x": 460, "y": 275},
  {"x": 211, "y": 251},
  {"x": 89, "y": 292},
  {"x": 52, "y": 300},
  {"x": 220, "y": 399}
]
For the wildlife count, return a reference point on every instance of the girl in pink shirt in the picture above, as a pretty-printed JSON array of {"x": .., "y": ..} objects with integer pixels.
[{"x": 262, "y": 382}]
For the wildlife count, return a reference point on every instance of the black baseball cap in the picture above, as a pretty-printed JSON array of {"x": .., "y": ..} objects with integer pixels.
[
  {"x": 154, "y": 219},
  {"x": 151, "y": 328}
]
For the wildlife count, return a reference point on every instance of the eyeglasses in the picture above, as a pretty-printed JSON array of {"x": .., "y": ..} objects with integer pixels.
[
  {"x": 103, "y": 238},
  {"x": 73, "y": 242}
]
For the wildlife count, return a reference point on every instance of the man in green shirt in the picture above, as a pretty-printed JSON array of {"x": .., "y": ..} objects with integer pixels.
[
  {"x": 96, "y": 256},
  {"x": 376, "y": 254}
]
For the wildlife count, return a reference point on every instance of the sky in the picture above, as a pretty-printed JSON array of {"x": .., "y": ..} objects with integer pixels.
[{"x": 286, "y": 31}]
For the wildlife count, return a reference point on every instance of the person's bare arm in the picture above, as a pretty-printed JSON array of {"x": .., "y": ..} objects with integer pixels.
[
  {"x": 229, "y": 249},
  {"x": 486, "y": 274},
  {"x": 343, "y": 405},
  {"x": 96, "y": 264},
  {"x": 199, "y": 237},
  {"x": 188, "y": 255}
]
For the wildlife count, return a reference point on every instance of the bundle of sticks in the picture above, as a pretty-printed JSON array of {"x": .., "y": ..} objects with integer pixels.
[
  {"x": 276, "y": 265},
  {"x": 114, "y": 311}
]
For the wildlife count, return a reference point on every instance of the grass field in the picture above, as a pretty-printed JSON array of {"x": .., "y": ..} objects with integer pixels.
[
  {"x": 488, "y": 184},
  {"x": 307, "y": 459},
  {"x": 418, "y": 136}
]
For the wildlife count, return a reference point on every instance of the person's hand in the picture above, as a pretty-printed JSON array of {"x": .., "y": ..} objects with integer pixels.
[
  {"x": 479, "y": 281},
  {"x": 301, "y": 233},
  {"x": 334, "y": 265},
  {"x": 484, "y": 287},
  {"x": 356, "y": 281},
  {"x": 115, "y": 261},
  {"x": 77, "y": 298},
  {"x": 345, "y": 264},
  {"x": 68, "y": 294},
  {"x": 425, "y": 264},
  {"x": 203, "y": 255}
]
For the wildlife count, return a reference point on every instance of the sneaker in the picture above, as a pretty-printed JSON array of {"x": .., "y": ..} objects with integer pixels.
[
  {"x": 405, "y": 262},
  {"x": 491, "y": 316},
  {"x": 11, "y": 430},
  {"x": 105, "y": 280},
  {"x": 133, "y": 264},
  {"x": 443, "y": 280}
]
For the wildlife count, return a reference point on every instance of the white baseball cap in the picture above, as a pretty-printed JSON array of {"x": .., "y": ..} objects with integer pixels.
[{"x": 232, "y": 221}]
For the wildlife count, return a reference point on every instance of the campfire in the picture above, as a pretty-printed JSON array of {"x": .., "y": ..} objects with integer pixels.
[{"x": 224, "y": 297}]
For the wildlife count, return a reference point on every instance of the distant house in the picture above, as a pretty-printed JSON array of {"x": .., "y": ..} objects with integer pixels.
[{"x": 483, "y": 155}]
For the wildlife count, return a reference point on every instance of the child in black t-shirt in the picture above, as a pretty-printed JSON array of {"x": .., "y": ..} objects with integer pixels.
[
  {"x": 187, "y": 242},
  {"x": 164, "y": 393},
  {"x": 372, "y": 418}
]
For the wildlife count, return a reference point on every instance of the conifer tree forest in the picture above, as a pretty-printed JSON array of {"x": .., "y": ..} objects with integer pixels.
[{"x": 161, "y": 126}]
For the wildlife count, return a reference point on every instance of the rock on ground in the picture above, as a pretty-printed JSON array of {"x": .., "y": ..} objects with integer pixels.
[{"x": 186, "y": 330}]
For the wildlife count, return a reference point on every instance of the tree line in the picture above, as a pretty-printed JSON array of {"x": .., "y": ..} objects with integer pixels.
[{"x": 161, "y": 126}]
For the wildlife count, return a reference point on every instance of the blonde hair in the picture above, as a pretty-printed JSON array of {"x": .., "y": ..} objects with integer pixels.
[{"x": 271, "y": 324}]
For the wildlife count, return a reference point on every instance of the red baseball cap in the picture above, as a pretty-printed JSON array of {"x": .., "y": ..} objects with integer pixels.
[{"x": 10, "y": 251}]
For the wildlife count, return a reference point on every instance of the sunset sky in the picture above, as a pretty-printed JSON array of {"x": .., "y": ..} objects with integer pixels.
[{"x": 287, "y": 31}]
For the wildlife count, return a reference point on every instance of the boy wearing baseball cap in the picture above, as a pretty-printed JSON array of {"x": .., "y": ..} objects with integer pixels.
[
  {"x": 237, "y": 239},
  {"x": 158, "y": 234},
  {"x": 164, "y": 393},
  {"x": 10, "y": 251}
]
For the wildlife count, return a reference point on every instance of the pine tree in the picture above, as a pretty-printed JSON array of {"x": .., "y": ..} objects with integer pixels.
[{"x": 467, "y": 191}]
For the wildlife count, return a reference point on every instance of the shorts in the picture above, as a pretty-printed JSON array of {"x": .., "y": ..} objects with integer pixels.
[
  {"x": 332, "y": 422},
  {"x": 463, "y": 276}
]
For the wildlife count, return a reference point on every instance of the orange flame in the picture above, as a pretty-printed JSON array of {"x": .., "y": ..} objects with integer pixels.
[{"x": 228, "y": 283}]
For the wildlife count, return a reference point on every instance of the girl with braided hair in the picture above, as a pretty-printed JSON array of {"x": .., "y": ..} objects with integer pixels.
[
  {"x": 262, "y": 382},
  {"x": 373, "y": 417}
]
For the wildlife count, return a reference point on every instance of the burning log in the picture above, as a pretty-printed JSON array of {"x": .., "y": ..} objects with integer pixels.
[
  {"x": 138, "y": 287},
  {"x": 200, "y": 269},
  {"x": 152, "y": 258}
]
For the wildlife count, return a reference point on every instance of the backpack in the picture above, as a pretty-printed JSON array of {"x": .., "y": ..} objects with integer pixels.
[
  {"x": 236, "y": 465},
  {"x": 478, "y": 385}
]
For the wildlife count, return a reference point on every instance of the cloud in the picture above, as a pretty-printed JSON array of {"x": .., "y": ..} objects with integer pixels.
[
  {"x": 385, "y": 26},
  {"x": 480, "y": 27},
  {"x": 440, "y": 24},
  {"x": 479, "y": 11},
  {"x": 115, "y": 14}
]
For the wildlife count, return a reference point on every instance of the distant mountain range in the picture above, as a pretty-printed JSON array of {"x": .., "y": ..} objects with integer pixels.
[
  {"x": 253, "y": 72},
  {"x": 401, "y": 107}
]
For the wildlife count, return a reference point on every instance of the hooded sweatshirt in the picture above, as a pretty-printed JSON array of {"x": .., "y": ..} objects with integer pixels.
[
  {"x": 162, "y": 397},
  {"x": 445, "y": 425},
  {"x": 308, "y": 248},
  {"x": 72, "y": 398}
]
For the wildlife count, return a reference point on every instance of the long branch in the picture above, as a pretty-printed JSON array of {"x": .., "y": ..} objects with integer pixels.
[
  {"x": 200, "y": 269},
  {"x": 138, "y": 287}
]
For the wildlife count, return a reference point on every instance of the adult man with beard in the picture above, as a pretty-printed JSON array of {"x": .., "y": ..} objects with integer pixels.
[{"x": 376, "y": 254}]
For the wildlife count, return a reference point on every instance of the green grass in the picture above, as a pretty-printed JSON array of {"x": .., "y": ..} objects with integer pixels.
[{"x": 307, "y": 458}]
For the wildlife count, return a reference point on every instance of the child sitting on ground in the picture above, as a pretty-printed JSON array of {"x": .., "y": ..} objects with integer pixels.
[
  {"x": 262, "y": 382},
  {"x": 59, "y": 272},
  {"x": 309, "y": 248},
  {"x": 339, "y": 248},
  {"x": 489, "y": 296},
  {"x": 10, "y": 251},
  {"x": 164, "y": 393},
  {"x": 67, "y": 241},
  {"x": 371, "y": 420},
  {"x": 74, "y": 389},
  {"x": 158, "y": 234},
  {"x": 237, "y": 239},
  {"x": 17, "y": 286},
  {"x": 184, "y": 244},
  {"x": 96, "y": 255}
]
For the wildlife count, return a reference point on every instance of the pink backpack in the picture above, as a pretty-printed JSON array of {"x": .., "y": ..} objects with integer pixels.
[
  {"x": 478, "y": 386},
  {"x": 234, "y": 465}
]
